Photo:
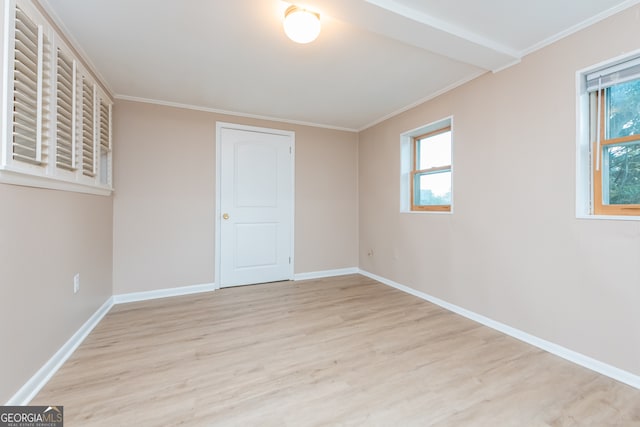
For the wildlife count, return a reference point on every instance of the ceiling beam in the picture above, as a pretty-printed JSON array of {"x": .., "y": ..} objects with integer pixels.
[{"x": 391, "y": 19}]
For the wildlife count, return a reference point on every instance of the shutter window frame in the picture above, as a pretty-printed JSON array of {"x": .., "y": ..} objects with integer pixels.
[{"x": 56, "y": 117}]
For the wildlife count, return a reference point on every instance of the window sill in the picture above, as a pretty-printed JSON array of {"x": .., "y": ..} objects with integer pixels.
[
  {"x": 610, "y": 217},
  {"x": 16, "y": 178},
  {"x": 428, "y": 212}
]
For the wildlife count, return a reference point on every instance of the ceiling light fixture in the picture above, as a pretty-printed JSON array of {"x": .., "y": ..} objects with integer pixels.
[{"x": 301, "y": 25}]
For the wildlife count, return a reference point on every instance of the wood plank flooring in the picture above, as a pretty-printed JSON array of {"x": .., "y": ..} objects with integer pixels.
[{"x": 344, "y": 351}]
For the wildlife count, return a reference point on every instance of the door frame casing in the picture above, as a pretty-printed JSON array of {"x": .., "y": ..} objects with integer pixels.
[{"x": 218, "y": 196}]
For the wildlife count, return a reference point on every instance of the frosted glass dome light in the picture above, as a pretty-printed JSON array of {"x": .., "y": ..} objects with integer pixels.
[{"x": 301, "y": 25}]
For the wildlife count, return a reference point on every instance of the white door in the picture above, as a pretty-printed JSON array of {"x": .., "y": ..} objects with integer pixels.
[{"x": 256, "y": 206}]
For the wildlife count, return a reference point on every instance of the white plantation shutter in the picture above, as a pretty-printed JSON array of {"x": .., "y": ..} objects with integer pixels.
[
  {"x": 59, "y": 119},
  {"x": 30, "y": 90},
  {"x": 104, "y": 135},
  {"x": 105, "y": 127},
  {"x": 88, "y": 121},
  {"x": 65, "y": 113}
]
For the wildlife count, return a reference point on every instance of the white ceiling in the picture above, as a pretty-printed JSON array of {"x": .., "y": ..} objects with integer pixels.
[{"x": 373, "y": 58}]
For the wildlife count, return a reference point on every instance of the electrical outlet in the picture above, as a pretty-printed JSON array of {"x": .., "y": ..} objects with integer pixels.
[{"x": 76, "y": 283}]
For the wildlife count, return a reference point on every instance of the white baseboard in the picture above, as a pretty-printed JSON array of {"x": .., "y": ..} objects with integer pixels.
[
  {"x": 565, "y": 353},
  {"x": 163, "y": 293},
  {"x": 326, "y": 273},
  {"x": 29, "y": 390}
]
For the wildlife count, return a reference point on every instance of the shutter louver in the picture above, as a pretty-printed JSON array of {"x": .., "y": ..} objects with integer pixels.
[
  {"x": 88, "y": 147},
  {"x": 65, "y": 114},
  {"x": 105, "y": 128},
  {"x": 29, "y": 82}
]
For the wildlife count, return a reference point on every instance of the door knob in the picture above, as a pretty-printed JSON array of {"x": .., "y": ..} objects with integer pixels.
[{"x": 225, "y": 216}]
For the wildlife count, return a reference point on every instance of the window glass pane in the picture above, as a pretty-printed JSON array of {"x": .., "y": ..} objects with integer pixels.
[
  {"x": 434, "y": 151},
  {"x": 623, "y": 109},
  {"x": 622, "y": 174},
  {"x": 433, "y": 189}
]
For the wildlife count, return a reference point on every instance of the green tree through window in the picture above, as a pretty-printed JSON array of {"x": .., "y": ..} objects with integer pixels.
[{"x": 622, "y": 161}]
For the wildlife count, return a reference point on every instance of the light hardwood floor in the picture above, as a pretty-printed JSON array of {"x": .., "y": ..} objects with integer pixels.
[{"x": 344, "y": 351}]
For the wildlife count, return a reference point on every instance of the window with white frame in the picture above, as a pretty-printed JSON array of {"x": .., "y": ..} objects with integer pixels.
[
  {"x": 57, "y": 120},
  {"x": 426, "y": 169},
  {"x": 609, "y": 139}
]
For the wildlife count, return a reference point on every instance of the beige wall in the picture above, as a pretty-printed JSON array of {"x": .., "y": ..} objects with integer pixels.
[
  {"x": 156, "y": 232},
  {"x": 513, "y": 249},
  {"x": 164, "y": 183},
  {"x": 46, "y": 237},
  {"x": 164, "y": 205}
]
